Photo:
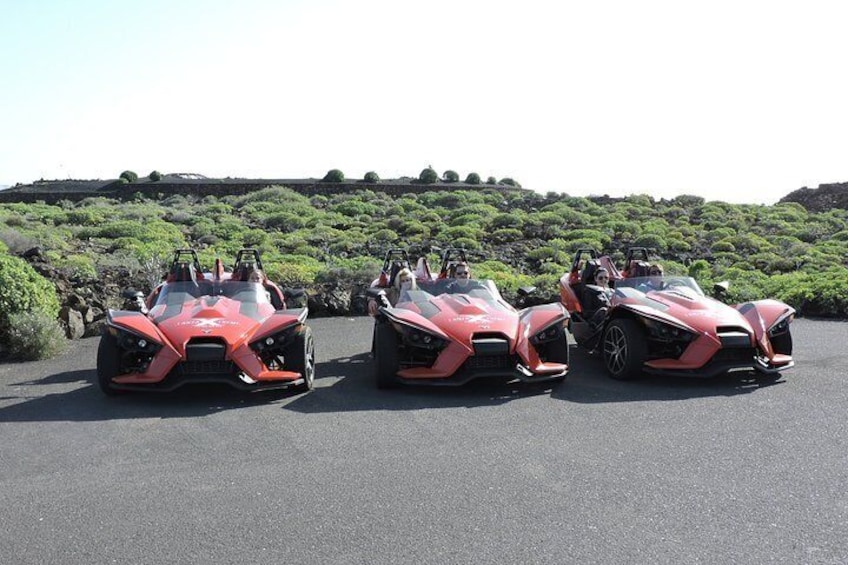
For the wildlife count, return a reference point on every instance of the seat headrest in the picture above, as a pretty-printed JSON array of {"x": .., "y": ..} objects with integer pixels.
[{"x": 184, "y": 272}]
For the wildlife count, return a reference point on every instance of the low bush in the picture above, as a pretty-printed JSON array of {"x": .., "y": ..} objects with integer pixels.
[{"x": 34, "y": 335}]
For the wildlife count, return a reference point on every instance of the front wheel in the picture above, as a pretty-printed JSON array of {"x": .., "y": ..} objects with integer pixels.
[
  {"x": 108, "y": 364},
  {"x": 386, "y": 362},
  {"x": 624, "y": 349},
  {"x": 302, "y": 359}
]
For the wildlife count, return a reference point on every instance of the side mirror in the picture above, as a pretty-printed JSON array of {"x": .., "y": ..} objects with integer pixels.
[
  {"x": 131, "y": 294},
  {"x": 134, "y": 300},
  {"x": 378, "y": 294},
  {"x": 293, "y": 293},
  {"x": 526, "y": 290},
  {"x": 375, "y": 292},
  {"x": 720, "y": 289}
]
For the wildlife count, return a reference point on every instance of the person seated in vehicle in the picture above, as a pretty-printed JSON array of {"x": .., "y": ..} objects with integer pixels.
[
  {"x": 462, "y": 282},
  {"x": 254, "y": 275},
  {"x": 654, "y": 280},
  {"x": 404, "y": 281},
  {"x": 596, "y": 298}
]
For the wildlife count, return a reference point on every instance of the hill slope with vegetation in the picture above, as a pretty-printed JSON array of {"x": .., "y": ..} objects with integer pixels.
[{"x": 329, "y": 244}]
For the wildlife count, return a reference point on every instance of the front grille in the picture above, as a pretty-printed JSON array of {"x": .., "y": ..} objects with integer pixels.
[
  {"x": 735, "y": 354},
  {"x": 197, "y": 368},
  {"x": 490, "y": 362}
]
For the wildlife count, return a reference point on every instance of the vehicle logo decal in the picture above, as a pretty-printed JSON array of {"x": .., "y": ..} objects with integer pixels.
[
  {"x": 208, "y": 323},
  {"x": 481, "y": 319}
]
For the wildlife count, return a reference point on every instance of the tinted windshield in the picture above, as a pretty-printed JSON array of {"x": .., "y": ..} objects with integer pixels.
[
  {"x": 479, "y": 288},
  {"x": 669, "y": 283},
  {"x": 419, "y": 300},
  {"x": 179, "y": 292}
]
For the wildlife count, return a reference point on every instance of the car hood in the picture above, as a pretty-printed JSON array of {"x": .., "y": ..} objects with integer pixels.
[
  {"x": 700, "y": 313},
  {"x": 461, "y": 316},
  {"x": 212, "y": 317}
]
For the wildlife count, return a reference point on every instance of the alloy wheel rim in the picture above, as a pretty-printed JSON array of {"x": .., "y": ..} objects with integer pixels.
[
  {"x": 615, "y": 349},
  {"x": 310, "y": 363}
]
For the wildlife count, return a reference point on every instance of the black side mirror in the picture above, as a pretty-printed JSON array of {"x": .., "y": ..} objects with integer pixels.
[
  {"x": 131, "y": 293},
  {"x": 293, "y": 293},
  {"x": 526, "y": 290},
  {"x": 134, "y": 300},
  {"x": 378, "y": 294},
  {"x": 720, "y": 289}
]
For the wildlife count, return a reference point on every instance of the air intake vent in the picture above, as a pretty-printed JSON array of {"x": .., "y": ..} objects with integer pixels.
[
  {"x": 490, "y": 344},
  {"x": 206, "y": 349},
  {"x": 732, "y": 336}
]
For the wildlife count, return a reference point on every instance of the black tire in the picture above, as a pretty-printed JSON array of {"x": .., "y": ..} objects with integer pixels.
[
  {"x": 558, "y": 350},
  {"x": 625, "y": 349},
  {"x": 385, "y": 356},
  {"x": 108, "y": 364},
  {"x": 301, "y": 359}
]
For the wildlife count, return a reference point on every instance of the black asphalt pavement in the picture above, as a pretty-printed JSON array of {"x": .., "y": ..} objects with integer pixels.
[{"x": 660, "y": 470}]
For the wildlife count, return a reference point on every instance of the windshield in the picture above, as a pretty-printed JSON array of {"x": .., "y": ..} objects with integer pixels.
[
  {"x": 668, "y": 283},
  {"x": 180, "y": 292},
  {"x": 419, "y": 300}
]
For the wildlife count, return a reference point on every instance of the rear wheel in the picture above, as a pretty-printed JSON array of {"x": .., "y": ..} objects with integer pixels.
[
  {"x": 624, "y": 349},
  {"x": 385, "y": 355},
  {"x": 108, "y": 364},
  {"x": 302, "y": 359}
]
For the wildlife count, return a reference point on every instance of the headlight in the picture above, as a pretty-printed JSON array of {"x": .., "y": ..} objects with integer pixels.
[
  {"x": 275, "y": 341},
  {"x": 781, "y": 325},
  {"x": 667, "y": 332},
  {"x": 133, "y": 342},
  {"x": 417, "y": 337},
  {"x": 551, "y": 333}
]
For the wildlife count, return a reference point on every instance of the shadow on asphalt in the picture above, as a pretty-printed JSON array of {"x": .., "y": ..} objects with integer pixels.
[
  {"x": 347, "y": 384},
  {"x": 88, "y": 403},
  {"x": 354, "y": 388},
  {"x": 588, "y": 383}
]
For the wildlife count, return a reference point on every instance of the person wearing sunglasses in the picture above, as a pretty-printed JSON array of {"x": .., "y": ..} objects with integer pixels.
[
  {"x": 462, "y": 282},
  {"x": 404, "y": 281},
  {"x": 596, "y": 298}
]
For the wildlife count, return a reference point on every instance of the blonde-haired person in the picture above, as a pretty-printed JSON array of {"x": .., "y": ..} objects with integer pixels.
[{"x": 404, "y": 280}]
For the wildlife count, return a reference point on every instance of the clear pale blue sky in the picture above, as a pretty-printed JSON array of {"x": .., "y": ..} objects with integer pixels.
[{"x": 731, "y": 100}]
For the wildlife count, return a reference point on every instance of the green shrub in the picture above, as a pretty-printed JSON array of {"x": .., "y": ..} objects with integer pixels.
[
  {"x": 506, "y": 181},
  {"x": 293, "y": 270},
  {"x": 24, "y": 290},
  {"x": 128, "y": 176},
  {"x": 371, "y": 176},
  {"x": 155, "y": 176},
  {"x": 450, "y": 176},
  {"x": 334, "y": 175},
  {"x": 723, "y": 246},
  {"x": 74, "y": 265},
  {"x": 33, "y": 336},
  {"x": 472, "y": 178},
  {"x": 491, "y": 180},
  {"x": 428, "y": 176}
]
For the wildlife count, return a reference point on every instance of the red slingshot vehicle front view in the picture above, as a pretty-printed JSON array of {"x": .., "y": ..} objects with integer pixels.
[
  {"x": 216, "y": 327},
  {"x": 447, "y": 334}
]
